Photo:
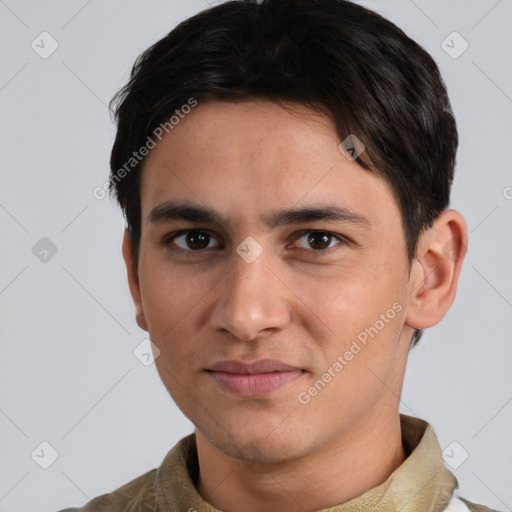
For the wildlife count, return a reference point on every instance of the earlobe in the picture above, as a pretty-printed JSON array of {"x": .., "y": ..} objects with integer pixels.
[
  {"x": 133, "y": 280},
  {"x": 436, "y": 269}
]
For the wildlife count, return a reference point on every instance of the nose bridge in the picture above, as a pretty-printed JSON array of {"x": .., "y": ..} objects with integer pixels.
[{"x": 252, "y": 299}]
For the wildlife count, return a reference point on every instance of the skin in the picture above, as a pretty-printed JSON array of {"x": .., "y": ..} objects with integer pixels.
[{"x": 295, "y": 303}]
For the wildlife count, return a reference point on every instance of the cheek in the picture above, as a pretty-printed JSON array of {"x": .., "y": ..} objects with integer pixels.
[
  {"x": 168, "y": 296},
  {"x": 365, "y": 315},
  {"x": 360, "y": 306},
  {"x": 175, "y": 301},
  {"x": 360, "y": 286},
  {"x": 170, "y": 301},
  {"x": 160, "y": 306}
]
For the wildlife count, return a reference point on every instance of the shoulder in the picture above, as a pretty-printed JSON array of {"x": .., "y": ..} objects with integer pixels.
[
  {"x": 473, "y": 507},
  {"x": 463, "y": 505},
  {"x": 138, "y": 494}
]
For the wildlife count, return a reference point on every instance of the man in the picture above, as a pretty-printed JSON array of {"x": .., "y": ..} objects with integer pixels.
[{"x": 284, "y": 168}]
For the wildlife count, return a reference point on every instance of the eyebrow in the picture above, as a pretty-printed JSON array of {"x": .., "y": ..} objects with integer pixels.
[{"x": 172, "y": 211}]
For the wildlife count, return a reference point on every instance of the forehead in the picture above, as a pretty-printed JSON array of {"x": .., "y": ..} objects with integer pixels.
[{"x": 256, "y": 155}]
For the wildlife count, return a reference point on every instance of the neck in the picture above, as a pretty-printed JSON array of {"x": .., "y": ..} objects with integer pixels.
[{"x": 353, "y": 463}]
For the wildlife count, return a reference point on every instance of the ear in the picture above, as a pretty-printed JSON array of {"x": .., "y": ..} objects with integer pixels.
[
  {"x": 133, "y": 280},
  {"x": 435, "y": 270}
]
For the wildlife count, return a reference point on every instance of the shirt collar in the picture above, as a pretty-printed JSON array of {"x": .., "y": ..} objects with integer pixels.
[{"x": 421, "y": 482}]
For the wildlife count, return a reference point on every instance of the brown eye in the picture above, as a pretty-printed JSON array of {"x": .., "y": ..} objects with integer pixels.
[
  {"x": 317, "y": 240},
  {"x": 193, "y": 240}
]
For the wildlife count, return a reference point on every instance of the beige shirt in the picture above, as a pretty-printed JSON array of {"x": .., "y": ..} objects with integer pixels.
[{"x": 422, "y": 483}]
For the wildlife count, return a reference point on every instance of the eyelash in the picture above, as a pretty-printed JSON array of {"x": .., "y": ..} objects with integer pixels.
[{"x": 319, "y": 252}]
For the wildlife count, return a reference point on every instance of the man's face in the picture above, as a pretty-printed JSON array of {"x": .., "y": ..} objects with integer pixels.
[{"x": 308, "y": 290}]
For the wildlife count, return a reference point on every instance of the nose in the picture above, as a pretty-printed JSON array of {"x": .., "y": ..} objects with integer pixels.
[{"x": 252, "y": 300}]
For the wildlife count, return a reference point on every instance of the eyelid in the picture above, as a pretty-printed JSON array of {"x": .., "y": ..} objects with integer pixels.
[
  {"x": 343, "y": 240},
  {"x": 167, "y": 239}
]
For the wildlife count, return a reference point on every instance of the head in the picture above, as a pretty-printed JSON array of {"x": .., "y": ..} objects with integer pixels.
[{"x": 284, "y": 168}]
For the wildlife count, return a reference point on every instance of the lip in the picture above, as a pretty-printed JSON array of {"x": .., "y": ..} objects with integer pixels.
[
  {"x": 259, "y": 366},
  {"x": 257, "y": 378}
]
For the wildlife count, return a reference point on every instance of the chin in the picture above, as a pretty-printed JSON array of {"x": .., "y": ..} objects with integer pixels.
[
  {"x": 255, "y": 444},
  {"x": 260, "y": 451}
]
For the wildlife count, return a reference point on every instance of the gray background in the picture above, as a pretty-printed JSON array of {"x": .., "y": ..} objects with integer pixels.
[{"x": 68, "y": 373}]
